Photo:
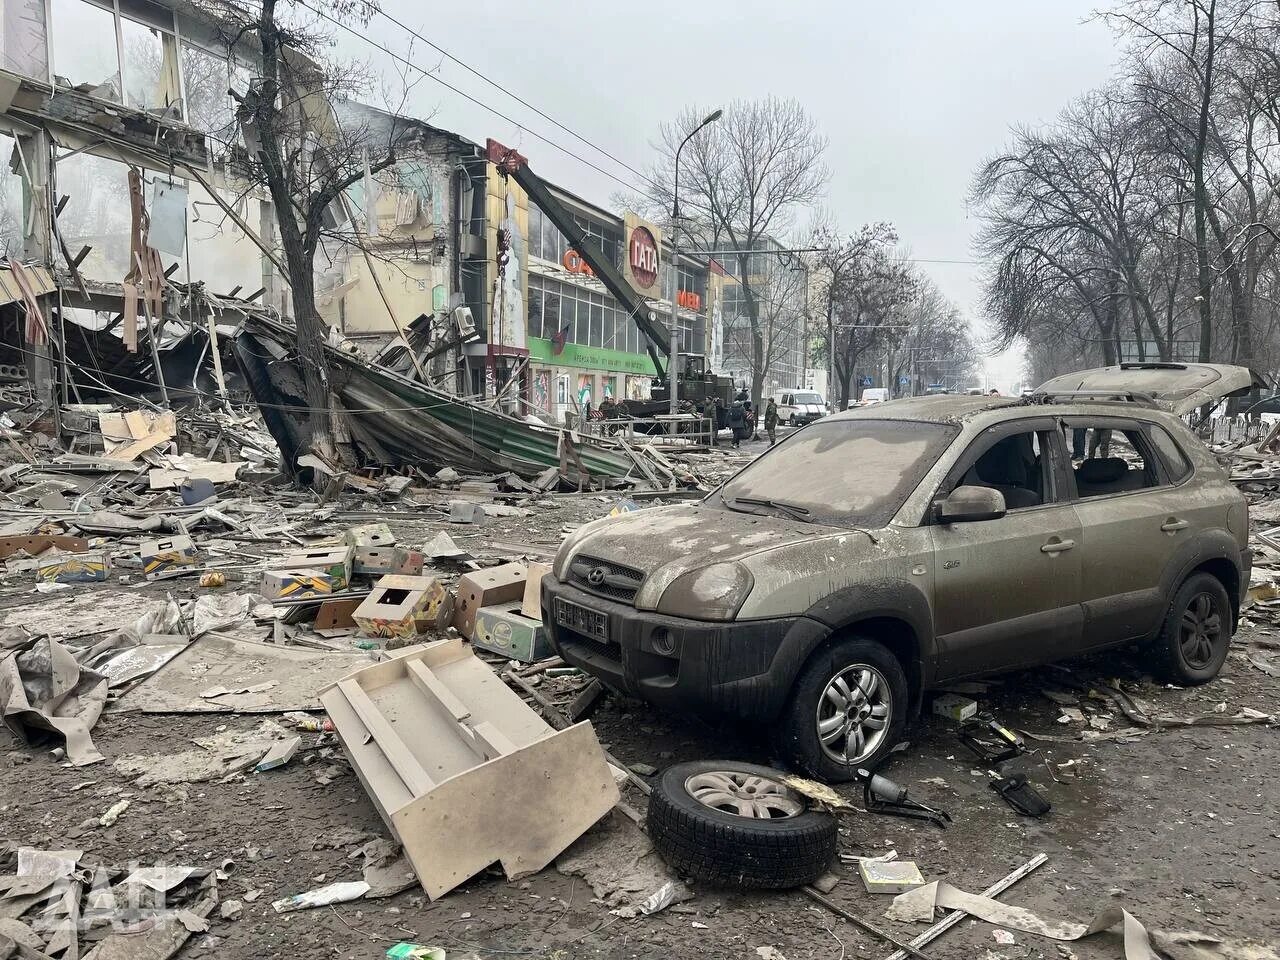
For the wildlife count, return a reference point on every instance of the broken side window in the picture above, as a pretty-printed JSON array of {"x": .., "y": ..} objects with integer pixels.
[
  {"x": 206, "y": 77},
  {"x": 12, "y": 222},
  {"x": 97, "y": 213},
  {"x": 84, "y": 46},
  {"x": 150, "y": 65}
]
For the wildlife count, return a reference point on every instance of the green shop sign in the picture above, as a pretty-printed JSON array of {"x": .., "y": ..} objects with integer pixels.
[{"x": 591, "y": 358}]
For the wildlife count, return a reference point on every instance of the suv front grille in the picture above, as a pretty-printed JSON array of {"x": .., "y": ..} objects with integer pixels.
[{"x": 613, "y": 580}]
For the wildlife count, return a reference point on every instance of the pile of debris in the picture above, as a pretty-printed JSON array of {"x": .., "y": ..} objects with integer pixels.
[{"x": 60, "y": 902}]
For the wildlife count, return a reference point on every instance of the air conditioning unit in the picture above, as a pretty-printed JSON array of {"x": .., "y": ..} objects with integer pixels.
[{"x": 464, "y": 321}]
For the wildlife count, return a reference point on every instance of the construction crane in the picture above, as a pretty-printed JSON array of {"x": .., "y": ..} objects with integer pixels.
[{"x": 696, "y": 384}]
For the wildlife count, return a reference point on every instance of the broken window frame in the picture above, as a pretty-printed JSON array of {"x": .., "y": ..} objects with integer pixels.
[{"x": 138, "y": 12}]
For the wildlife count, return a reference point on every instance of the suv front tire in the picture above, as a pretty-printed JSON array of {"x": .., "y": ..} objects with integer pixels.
[{"x": 847, "y": 710}]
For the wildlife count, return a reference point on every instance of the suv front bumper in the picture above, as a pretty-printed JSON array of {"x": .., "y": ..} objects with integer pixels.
[{"x": 744, "y": 669}]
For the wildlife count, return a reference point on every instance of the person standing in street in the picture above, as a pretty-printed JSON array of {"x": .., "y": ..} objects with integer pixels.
[
  {"x": 737, "y": 422},
  {"x": 771, "y": 421}
]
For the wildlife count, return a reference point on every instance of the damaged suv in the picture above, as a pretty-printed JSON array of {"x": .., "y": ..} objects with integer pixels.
[{"x": 885, "y": 551}]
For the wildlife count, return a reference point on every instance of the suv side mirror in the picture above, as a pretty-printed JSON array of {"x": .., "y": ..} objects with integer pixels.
[{"x": 966, "y": 504}]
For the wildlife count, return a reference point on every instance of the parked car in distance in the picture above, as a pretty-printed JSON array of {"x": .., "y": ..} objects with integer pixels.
[
  {"x": 881, "y": 552},
  {"x": 798, "y": 407}
]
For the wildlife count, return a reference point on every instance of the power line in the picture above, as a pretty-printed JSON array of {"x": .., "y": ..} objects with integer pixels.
[
  {"x": 514, "y": 96},
  {"x": 466, "y": 96}
]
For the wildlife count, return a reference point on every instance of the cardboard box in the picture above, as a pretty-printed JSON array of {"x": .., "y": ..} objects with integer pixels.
[
  {"x": 896, "y": 876},
  {"x": 955, "y": 707},
  {"x": 506, "y": 631},
  {"x": 290, "y": 584},
  {"x": 333, "y": 562},
  {"x": 163, "y": 556},
  {"x": 379, "y": 561},
  {"x": 370, "y": 535},
  {"x": 532, "y": 606},
  {"x": 88, "y": 567},
  {"x": 487, "y": 588},
  {"x": 334, "y": 616},
  {"x": 402, "y": 606}
]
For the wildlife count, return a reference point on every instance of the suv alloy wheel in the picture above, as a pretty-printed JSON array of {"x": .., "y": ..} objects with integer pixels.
[{"x": 847, "y": 710}]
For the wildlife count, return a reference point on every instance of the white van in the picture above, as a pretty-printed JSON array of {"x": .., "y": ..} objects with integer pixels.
[
  {"x": 875, "y": 395},
  {"x": 797, "y": 407}
]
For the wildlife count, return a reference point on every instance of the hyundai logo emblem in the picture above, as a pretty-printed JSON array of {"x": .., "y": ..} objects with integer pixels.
[{"x": 596, "y": 576}]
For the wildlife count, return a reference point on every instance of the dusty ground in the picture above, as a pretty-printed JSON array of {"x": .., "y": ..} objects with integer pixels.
[{"x": 1180, "y": 826}]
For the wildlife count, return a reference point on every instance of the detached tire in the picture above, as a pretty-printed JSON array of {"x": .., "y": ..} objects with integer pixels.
[
  {"x": 772, "y": 840},
  {"x": 1193, "y": 641}
]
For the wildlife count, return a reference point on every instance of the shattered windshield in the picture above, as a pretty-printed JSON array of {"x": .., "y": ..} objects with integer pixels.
[{"x": 843, "y": 472}]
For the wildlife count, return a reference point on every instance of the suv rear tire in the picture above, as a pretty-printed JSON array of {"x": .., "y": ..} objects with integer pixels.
[
  {"x": 1193, "y": 641},
  {"x": 853, "y": 695}
]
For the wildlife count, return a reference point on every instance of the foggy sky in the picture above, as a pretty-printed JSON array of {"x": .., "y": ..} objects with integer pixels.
[{"x": 912, "y": 96}]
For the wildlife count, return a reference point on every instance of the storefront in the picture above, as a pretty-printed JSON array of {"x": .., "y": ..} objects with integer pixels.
[{"x": 567, "y": 377}]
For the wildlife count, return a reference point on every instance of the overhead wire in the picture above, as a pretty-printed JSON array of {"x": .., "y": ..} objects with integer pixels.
[
  {"x": 514, "y": 96},
  {"x": 475, "y": 100}
]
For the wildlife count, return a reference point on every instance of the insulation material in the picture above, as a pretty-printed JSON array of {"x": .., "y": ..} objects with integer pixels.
[
  {"x": 44, "y": 690},
  {"x": 169, "y": 217},
  {"x": 920, "y": 903}
]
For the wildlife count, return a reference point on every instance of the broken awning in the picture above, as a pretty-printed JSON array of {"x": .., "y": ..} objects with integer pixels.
[{"x": 396, "y": 421}]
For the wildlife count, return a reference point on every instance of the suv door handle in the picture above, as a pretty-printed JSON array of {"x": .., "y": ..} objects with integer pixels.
[
  {"x": 1173, "y": 524},
  {"x": 1057, "y": 546}
]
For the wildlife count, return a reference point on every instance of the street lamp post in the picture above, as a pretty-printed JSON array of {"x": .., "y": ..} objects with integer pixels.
[{"x": 673, "y": 361}]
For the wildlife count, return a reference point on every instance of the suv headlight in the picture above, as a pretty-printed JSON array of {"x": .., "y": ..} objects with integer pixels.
[{"x": 716, "y": 592}]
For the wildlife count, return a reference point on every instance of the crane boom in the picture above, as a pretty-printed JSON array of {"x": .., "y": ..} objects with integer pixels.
[{"x": 514, "y": 165}]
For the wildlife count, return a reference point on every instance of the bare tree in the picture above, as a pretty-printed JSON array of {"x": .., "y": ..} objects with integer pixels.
[
  {"x": 938, "y": 344},
  {"x": 306, "y": 160},
  {"x": 867, "y": 285},
  {"x": 742, "y": 182}
]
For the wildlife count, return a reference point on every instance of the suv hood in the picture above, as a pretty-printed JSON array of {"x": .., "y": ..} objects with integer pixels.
[
  {"x": 665, "y": 542},
  {"x": 1176, "y": 387}
]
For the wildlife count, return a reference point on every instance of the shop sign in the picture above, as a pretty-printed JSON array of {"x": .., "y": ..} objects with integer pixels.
[
  {"x": 573, "y": 262},
  {"x": 641, "y": 260}
]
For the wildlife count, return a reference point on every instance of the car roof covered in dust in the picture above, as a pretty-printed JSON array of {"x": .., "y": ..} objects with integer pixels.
[{"x": 941, "y": 408}]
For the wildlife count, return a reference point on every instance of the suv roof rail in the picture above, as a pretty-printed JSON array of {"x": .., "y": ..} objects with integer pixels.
[
  {"x": 1152, "y": 365},
  {"x": 1098, "y": 396}
]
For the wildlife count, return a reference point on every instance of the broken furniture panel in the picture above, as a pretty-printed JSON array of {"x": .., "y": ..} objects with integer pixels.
[
  {"x": 486, "y": 588},
  {"x": 462, "y": 770},
  {"x": 402, "y": 606}
]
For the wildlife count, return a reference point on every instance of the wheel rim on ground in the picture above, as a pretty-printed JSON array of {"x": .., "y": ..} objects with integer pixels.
[
  {"x": 853, "y": 714},
  {"x": 1200, "y": 630},
  {"x": 744, "y": 795}
]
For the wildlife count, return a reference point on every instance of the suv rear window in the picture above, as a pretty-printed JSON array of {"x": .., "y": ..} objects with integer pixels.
[{"x": 843, "y": 472}]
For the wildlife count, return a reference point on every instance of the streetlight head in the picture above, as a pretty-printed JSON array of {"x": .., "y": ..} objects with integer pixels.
[{"x": 714, "y": 116}]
